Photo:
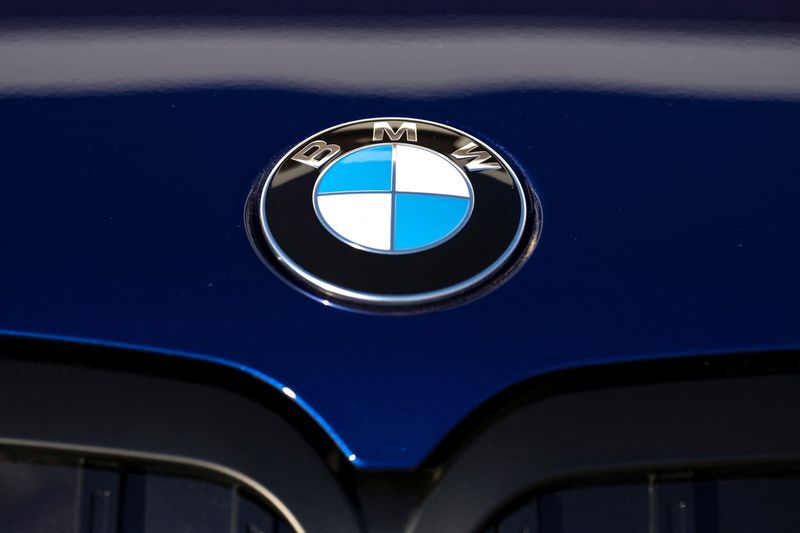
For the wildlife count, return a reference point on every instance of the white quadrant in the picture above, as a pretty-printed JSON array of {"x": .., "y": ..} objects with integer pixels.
[
  {"x": 364, "y": 219},
  {"x": 421, "y": 171}
]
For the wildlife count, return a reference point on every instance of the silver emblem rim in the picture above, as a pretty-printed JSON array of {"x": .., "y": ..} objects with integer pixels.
[{"x": 405, "y": 299}]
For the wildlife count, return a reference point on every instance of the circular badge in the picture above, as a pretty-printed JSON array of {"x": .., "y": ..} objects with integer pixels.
[{"x": 394, "y": 213}]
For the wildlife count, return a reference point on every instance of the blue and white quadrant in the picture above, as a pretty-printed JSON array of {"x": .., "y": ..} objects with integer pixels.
[{"x": 393, "y": 198}]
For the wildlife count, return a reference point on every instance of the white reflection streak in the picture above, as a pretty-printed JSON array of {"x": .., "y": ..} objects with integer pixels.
[
  {"x": 289, "y": 392},
  {"x": 420, "y": 63}
]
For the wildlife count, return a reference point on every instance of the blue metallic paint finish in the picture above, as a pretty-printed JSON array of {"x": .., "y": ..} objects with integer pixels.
[{"x": 671, "y": 227}]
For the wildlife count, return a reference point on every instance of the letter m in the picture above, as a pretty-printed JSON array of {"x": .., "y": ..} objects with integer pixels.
[
  {"x": 479, "y": 158},
  {"x": 409, "y": 129}
]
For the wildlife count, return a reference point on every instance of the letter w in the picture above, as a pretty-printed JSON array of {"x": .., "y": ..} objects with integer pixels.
[{"x": 479, "y": 158}]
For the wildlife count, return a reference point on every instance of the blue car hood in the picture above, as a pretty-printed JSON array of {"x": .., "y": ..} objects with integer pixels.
[{"x": 666, "y": 161}]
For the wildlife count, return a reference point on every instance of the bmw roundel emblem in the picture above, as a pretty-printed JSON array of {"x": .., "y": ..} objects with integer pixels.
[{"x": 395, "y": 214}]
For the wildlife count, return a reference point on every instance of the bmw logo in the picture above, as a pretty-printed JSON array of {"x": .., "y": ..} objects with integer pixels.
[{"x": 393, "y": 214}]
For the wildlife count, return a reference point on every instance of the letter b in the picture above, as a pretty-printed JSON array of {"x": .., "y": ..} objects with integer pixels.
[{"x": 316, "y": 153}]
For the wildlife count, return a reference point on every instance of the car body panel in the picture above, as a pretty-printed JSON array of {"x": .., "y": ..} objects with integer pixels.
[{"x": 671, "y": 213}]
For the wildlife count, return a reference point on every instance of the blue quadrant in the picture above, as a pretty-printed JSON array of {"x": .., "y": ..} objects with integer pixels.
[
  {"x": 423, "y": 219},
  {"x": 369, "y": 169}
]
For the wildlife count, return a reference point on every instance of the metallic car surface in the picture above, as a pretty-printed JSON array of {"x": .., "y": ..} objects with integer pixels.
[{"x": 662, "y": 142}]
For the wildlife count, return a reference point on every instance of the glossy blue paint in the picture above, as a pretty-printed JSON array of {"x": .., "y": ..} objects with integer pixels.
[{"x": 671, "y": 222}]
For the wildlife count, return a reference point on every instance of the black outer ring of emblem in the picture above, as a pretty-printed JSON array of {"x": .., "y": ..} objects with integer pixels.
[{"x": 496, "y": 240}]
